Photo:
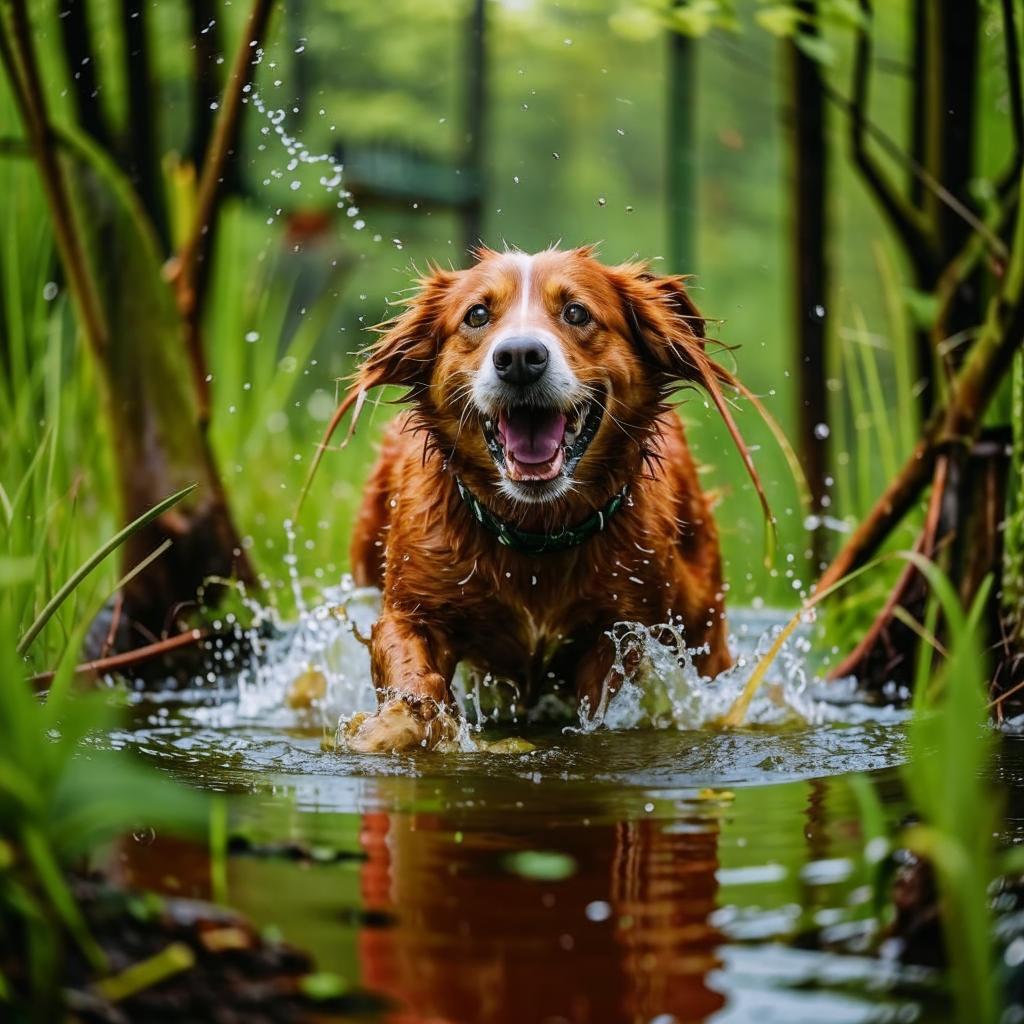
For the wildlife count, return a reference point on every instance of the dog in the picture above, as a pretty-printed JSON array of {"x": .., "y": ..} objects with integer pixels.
[{"x": 539, "y": 488}]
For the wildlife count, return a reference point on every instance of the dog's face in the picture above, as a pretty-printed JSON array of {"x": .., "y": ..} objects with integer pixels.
[{"x": 540, "y": 373}]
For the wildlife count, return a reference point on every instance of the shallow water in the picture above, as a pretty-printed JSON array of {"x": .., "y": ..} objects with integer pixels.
[{"x": 658, "y": 871}]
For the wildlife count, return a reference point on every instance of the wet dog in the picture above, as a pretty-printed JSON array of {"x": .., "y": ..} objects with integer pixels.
[{"x": 538, "y": 489}]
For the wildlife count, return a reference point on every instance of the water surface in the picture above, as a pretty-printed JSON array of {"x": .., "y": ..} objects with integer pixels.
[{"x": 653, "y": 872}]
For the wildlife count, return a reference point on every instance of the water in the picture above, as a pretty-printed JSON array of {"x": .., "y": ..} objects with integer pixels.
[{"x": 657, "y": 871}]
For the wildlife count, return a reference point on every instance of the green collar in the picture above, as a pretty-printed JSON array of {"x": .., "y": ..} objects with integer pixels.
[{"x": 540, "y": 543}]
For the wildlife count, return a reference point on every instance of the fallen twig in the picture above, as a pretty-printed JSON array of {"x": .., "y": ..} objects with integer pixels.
[{"x": 128, "y": 659}]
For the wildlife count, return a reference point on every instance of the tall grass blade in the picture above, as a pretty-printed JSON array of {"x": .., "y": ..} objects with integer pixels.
[{"x": 94, "y": 560}]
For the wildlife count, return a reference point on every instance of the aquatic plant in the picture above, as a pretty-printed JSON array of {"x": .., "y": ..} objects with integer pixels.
[
  {"x": 60, "y": 800},
  {"x": 951, "y": 743}
]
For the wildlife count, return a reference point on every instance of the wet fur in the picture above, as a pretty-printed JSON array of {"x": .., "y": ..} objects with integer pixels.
[{"x": 451, "y": 592}]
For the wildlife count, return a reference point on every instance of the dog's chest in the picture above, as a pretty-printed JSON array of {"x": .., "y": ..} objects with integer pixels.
[{"x": 514, "y": 617}]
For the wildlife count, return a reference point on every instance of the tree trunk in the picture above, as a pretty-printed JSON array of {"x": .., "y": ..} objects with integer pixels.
[
  {"x": 965, "y": 524},
  {"x": 142, "y": 155},
  {"x": 474, "y": 120},
  {"x": 79, "y": 60},
  {"x": 158, "y": 442},
  {"x": 808, "y": 175},
  {"x": 127, "y": 314},
  {"x": 681, "y": 154}
]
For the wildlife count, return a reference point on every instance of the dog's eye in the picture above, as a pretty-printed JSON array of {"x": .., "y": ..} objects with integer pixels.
[
  {"x": 575, "y": 313},
  {"x": 477, "y": 315}
]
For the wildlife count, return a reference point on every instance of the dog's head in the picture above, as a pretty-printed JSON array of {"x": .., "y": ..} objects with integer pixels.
[{"x": 541, "y": 373}]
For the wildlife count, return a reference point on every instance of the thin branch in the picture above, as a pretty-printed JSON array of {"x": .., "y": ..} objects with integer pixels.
[
  {"x": 959, "y": 270},
  {"x": 955, "y": 425},
  {"x": 908, "y": 221},
  {"x": 128, "y": 659},
  {"x": 185, "y": 269},
  {"x": 891, "y": 148},
  {"x": 925, "y": 177},
  {"x": 925, "y": 545},
  {"x": 17, "y": 54}
]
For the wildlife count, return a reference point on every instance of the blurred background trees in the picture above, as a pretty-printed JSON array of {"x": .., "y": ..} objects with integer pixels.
[{"x": 841, "y": 177}]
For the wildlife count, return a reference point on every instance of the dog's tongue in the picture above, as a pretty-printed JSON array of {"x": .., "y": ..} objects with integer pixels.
[{"x": 532, "y": 435}]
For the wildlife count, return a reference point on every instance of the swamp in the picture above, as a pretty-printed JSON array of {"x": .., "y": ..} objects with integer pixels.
[{"x": 223, "y": 219}]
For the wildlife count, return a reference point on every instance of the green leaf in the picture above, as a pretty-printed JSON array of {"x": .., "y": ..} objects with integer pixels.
[
  {"x": 637, "y": 23},
  {"x": 171, "y": 960},
  {"x": 923, "y": 307},
  {"x": 94, "y": 560},
  {"x": 698, "y": 17},
  {"x": 540, "y": 865},
  {"x": 780, "y": 20},
  {"x": 323, "y": 985},
  {"x": 816, "y": 47}
]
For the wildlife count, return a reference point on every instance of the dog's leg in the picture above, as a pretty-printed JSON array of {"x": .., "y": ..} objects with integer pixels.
[
  {"x": 411, "y": 673},
  {"x": 597, "y": 678}
]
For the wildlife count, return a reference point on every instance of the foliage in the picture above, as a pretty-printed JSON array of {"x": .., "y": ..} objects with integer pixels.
[
  {"x": 951, "y": 745},
  {"x": 574, "y": 147},
  {"x": 59, "y": 799}
]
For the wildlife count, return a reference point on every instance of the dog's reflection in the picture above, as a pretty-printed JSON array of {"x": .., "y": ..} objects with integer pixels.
[{"x": 624, "y": 938}]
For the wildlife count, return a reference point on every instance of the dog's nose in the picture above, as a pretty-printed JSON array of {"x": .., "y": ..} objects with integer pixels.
[{"x": 520, "y": 360}]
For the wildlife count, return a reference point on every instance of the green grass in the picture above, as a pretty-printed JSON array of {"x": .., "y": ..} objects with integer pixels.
[
  {"x": 58, "y": 801},
  {"x": 949, "y": 785}
]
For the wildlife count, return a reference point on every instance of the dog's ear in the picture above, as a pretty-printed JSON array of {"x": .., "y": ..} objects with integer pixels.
[
  {"x": 665, "y": 323},
  {"x": 669, "y": 331},
  {"x": 405, "y": 353}
]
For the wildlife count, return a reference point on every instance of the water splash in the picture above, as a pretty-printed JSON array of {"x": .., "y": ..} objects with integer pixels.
[
  {"x": 332, "y": 178},
  {"x": 315, "y": 674},
  {"x": 667, "y": 691}
]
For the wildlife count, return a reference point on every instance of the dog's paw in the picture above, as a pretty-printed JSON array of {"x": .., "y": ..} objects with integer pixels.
[{"x": 396, "y": 726}]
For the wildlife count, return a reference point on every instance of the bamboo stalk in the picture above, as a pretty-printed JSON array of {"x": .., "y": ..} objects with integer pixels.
[
  {"x": 17, "y": 54},
  {"x": 956, "y": 424},
  {"x": 184, "y": 270}
]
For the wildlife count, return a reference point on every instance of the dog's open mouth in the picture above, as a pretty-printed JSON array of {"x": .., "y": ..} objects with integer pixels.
[{"x": 531, "y": 444}]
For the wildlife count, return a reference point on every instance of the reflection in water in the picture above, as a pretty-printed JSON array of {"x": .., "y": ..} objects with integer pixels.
[
  {"x": 483, "y": 900},
  {"x": 624, "y": 938},
  {"x": 639, "y": 875}
]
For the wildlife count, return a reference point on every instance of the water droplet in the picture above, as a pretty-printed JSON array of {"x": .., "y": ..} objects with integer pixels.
[
  {"x": 821, "y": 431},
  {"x": 50, "y": 291}
]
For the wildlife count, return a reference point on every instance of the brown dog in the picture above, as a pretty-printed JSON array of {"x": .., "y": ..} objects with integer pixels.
[{"x": 538, "y": 490}]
